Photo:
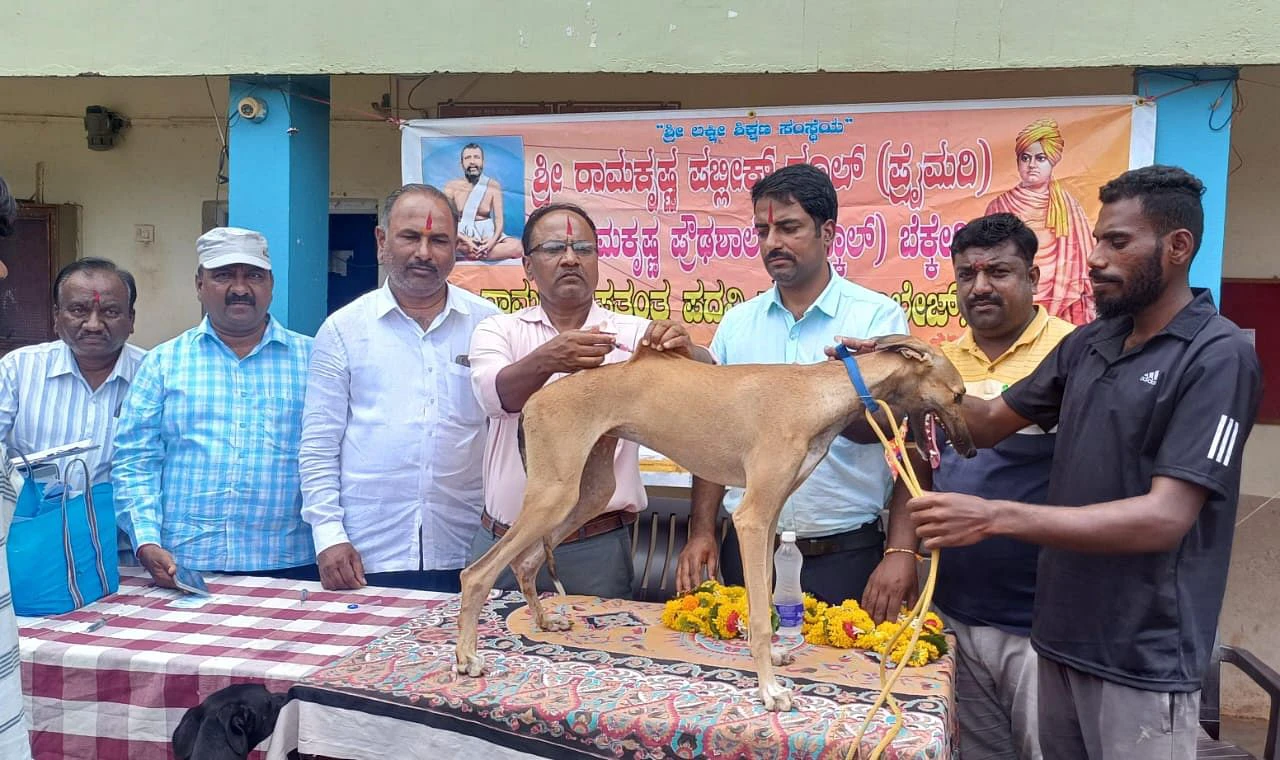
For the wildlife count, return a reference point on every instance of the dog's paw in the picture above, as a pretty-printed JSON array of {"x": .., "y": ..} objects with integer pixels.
[
  {"x": 775, "y": 698},
  {"x": 553, "y": 621},
  {"x": 781, "y": 656},
  {"x": 469, "y": 664}
]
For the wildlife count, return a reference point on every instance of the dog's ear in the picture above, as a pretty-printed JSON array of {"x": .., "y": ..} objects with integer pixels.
[
  {"x": 184, "y": 737},
  {"x": 905, "y": 349},
  {"x": 239, "y": 721}
]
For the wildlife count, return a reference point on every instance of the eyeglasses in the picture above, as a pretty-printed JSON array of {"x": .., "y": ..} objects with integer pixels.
[{"x": 553, "y": 249}]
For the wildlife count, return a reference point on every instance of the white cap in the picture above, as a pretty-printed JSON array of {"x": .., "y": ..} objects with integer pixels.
[
  {"x": 788, "y": 536},
  {"x": 224, "y": 246}
]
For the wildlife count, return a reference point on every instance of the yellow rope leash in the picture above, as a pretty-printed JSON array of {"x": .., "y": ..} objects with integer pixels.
[{"x": 897, "y": 450}]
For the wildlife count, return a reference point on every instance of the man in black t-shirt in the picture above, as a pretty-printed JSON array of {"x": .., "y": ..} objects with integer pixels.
[{"x": 1153, "y": 402}]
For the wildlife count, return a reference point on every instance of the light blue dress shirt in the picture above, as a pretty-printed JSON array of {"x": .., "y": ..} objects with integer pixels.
[
  {"x": 207, "y": 452},
  {"x": 852, "y": 484}
]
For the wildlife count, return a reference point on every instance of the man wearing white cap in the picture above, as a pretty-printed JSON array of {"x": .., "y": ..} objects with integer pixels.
[{"x": 206, "y": 471}]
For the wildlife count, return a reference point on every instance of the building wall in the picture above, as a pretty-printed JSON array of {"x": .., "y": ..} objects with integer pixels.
[
  {"x": 156, "y": 38},
  {"x": 166, "y": 166}
]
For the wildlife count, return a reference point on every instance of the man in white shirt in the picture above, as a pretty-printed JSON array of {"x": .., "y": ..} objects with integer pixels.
[
  {"x": 392, "y": 435},
  {"x": 71, "y": 389}
]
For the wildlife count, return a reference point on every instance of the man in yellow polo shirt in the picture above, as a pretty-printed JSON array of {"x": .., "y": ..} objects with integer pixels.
[{"x": 986, "y": 591}]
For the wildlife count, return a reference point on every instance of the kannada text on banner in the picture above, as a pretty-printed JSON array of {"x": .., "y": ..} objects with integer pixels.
[{"x": 670, "y": 194}]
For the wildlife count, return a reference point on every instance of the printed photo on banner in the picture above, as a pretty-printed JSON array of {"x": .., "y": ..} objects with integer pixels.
[
  {"x": 484, "y": 177},
  {"x": 1064, "y": 231}
]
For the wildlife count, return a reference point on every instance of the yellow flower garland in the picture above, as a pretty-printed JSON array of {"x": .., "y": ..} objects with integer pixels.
[{"x": 721, "y": 612}]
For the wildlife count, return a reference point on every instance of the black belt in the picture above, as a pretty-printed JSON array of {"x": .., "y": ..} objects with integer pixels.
[{"x": 863, "y": 537}]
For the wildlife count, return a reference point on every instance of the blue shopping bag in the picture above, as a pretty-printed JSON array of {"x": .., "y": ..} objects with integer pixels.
[{"x": 63, "y": 556}]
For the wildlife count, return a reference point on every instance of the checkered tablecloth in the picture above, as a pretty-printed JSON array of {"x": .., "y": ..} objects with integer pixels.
[{"x": 117, "y": 693}]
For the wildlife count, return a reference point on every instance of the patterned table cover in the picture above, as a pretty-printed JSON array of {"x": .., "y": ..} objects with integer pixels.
[
  {"x": 619, "y": 684},
  {"x": 117, "y": 693}
]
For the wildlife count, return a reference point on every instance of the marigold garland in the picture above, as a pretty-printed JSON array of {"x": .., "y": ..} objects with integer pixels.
[{"x": 721, "y": 612}]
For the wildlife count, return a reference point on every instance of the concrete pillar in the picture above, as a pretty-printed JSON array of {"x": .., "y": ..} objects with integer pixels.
[{"x": 279, "y": 180}]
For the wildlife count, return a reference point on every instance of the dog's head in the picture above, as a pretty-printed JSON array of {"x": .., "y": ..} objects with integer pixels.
[
  {"x": 924, "y": 383},
  {"x": 229, "y": 724}
]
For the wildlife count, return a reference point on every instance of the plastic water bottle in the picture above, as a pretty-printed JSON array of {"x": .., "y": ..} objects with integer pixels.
[{"x": 788, "y": 599}]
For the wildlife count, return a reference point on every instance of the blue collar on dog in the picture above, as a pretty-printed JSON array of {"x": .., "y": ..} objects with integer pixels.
[{"x": 855, "y": 374}]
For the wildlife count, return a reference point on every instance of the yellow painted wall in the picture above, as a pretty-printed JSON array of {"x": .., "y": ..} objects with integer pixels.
[
  {"x": 165, "y": 38},
  {"x": 165, "y": 168}
]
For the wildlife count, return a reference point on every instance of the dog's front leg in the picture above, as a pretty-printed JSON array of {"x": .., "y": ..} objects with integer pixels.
[{"x": 755, "y": 540}]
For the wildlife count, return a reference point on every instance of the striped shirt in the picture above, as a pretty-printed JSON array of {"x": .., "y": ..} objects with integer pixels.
[
  {"x": 15, "y": 743},
  {"x": 46, "y": 402},
  {"x": 207, "y": 452}
]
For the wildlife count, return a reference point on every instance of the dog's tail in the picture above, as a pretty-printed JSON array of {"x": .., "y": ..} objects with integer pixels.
[
  {"x": 551, "y": 565},
  {"x": 524, "y": 459}
]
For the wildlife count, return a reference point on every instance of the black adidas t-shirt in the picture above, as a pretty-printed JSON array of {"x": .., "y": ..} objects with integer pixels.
[{"x": 1181, "y": 405}]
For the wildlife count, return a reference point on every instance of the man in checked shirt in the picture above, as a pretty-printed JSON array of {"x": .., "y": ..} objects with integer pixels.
[{"x": 206, "y": 470}]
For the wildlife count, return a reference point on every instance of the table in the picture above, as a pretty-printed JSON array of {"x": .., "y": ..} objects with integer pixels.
[
  {"x": 618, "y": 684},
  {"x": 118, "y": 693},
  {"x": 656, "y": 470}
]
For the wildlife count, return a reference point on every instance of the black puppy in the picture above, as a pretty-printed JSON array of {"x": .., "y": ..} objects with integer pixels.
[{"x": 229, "y": 724}]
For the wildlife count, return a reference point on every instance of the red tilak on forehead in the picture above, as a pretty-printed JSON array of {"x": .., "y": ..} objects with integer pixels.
[
  {"x": 97, "y": 298},
  {"x": 770, "y": 212},
  {"x": 568, "y": 224},
  {"x": 427, "y": 226}
]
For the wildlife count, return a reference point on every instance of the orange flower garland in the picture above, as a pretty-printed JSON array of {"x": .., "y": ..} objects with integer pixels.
[{"x": 721, "y": 612}]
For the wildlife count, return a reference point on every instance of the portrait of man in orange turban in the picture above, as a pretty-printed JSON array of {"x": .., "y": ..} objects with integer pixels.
[{"x": 1063, "y": 230}]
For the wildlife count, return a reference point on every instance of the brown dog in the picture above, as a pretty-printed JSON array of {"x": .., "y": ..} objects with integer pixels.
[{"x": 759, "y": 426}]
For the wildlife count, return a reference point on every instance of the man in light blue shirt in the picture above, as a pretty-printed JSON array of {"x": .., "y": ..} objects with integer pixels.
[
  {"x": 836, "y": 511},
  {"x": 392, "y": 434},
  {"x": 206, "y": 471}
]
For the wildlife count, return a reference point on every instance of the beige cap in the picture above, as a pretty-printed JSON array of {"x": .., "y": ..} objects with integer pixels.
[{"x": 224, "y": 246}]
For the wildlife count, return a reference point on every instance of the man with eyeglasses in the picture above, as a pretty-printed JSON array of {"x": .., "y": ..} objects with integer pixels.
[
  {"x": 513, "y": 355},
  {"x": 71, "y": 389}
]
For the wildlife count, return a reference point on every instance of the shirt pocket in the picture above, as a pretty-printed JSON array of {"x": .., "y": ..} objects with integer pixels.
[
  {"x": 463, "y": 406},
  {"x": 282, "y": 423}
]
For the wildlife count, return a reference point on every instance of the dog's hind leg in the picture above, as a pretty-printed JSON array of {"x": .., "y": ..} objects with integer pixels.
[
  {"x": 770, "y": 480},
  {"x": 561, "y": 491},
  {"x": 596, "y": 488},
  {"x": 546, "y": 501}
]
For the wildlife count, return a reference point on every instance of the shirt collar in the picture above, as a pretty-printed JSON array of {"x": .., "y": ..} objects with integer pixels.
[
  {"x": 1188, "y": 322},
  {"x": 275, "y": 333},
  {"x": 1184, "y": 325},
  {"x": 385, "y": 301},
  {"x": 1028, "y": 335},
  {"x": 64, "y": 363},
  {"x": 827, "y": 302},
  {"x": 598, "y": 316}
]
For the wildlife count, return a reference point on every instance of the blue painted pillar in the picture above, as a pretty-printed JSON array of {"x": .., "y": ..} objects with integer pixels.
[
  {"x": 1193, "y": 130},
  {"x": 279, "y": 186}
]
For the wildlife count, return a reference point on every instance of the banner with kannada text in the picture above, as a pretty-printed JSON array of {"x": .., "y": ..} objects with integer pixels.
[{"x": 670, "y": 194}]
